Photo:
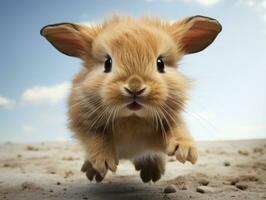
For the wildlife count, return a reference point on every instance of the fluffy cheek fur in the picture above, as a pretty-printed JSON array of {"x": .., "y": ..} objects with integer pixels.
[
  {"x": 177, "y": 86},
  {"x": 86, "y": 109}
]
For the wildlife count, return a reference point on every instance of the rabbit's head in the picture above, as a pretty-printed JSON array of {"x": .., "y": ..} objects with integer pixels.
[{"x": 130, "y": 65}]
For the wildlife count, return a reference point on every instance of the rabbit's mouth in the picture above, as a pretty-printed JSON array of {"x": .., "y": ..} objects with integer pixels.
[{"x": 134, "y": 106}]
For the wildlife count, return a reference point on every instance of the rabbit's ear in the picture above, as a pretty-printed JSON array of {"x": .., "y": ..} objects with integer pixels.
[
  {"x": 66, "y": 38},
  {"x": 195, "y": 33}
]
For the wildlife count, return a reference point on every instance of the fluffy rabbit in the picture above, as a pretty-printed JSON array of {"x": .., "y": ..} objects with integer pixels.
[{"x": 126, "y": 101}]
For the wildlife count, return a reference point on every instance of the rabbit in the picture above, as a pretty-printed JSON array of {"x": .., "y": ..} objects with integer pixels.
[{"x": 126, "y": 102}]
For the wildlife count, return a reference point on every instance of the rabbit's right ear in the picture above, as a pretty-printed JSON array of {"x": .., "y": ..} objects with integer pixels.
[
  {"x": 66, "y": 38},
  {"x": 195, "y": 33}
]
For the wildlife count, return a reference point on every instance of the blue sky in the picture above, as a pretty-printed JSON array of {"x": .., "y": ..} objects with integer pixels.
[{"x": 228, "y": 100}]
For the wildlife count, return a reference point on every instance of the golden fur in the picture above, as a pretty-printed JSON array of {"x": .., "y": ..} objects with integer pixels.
[{"x": 97, "y": 105}]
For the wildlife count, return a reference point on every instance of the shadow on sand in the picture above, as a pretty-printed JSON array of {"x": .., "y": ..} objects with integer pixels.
[{"x": 128, "y": 189}]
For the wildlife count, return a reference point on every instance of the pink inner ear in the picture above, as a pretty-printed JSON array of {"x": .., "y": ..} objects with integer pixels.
[
  {"x": 68, "y": 43},
  {"x": 200, "y": 35},
  {"x": 196, "y": 40},
  {"x": 66, "y": 39}
]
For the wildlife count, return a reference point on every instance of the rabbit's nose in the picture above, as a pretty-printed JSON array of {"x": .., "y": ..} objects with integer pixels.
[
  {"x": 134, "y": 93},
  {"x": 134, "y": 83}
]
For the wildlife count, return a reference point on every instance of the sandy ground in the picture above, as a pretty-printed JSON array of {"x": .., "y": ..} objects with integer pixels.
[{"x": 228, "y": 169}]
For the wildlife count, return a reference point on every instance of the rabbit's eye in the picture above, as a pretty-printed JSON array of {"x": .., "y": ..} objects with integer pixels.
[
  {"x": 108, "y": 64},
  {"x": 160, "y": 65}
]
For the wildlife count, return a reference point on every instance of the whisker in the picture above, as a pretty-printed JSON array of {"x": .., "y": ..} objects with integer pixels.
[{"x": 202, "y": 120}]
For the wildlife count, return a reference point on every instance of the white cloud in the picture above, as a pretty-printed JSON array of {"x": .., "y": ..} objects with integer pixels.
[
  {"x": 207, "y": 2},
  {"x": 249, "y": 3},
  {"x": 201, "y": 2},
  {"x": 263, "y": 4},
  {"x": 258, "y": 6},
  {"x": 28, "y": 129},
  {"x": 39, "y": 95},
  {"x": 45, "y": 94},
  {"x": 6, "y": 103}
]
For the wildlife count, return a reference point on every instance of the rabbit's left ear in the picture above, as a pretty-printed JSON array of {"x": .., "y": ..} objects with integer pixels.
[
  {"x": 66, "y": 38},
  {"x": 195, "y": 33}
]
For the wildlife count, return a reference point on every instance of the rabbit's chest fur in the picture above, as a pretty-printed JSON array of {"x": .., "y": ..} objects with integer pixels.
[{"x": 134, "y": 136}]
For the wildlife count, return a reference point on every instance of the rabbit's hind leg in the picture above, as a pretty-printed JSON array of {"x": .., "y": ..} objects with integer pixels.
[{"x": 151, "y": 166}]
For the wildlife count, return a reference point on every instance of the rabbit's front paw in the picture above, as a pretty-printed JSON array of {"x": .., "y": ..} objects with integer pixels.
[
  {"x": 91, "y": 173},
  {"x": 184, "y": 150},
  {"x": 98, "y": 166}
]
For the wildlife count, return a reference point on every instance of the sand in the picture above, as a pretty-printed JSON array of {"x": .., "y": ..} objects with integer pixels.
[{"x": 225, "y": 170}]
